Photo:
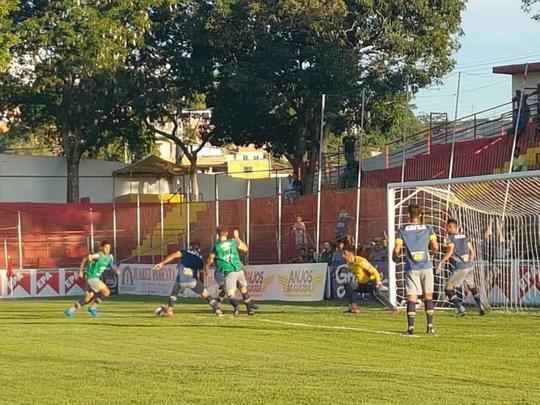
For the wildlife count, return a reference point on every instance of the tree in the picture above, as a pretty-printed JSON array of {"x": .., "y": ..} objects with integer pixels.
[
  {"x": 280, "y": 57},
  {"x": 7, "y": 36},
  {"x": 174, "y": 70},
  {"x": 69, "y": 74},
  {"x": 528, "y": 6}
]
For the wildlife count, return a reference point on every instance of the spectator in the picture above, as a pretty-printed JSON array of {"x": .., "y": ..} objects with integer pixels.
[
  {"x": 520, "y": 161},
  {"x": 326, "y": 253},
  {"x": 299, "y": 231},
  {"x": 337, "y": 257},
  {"x": 301, "y": 258},
  {"x": 298, "y": 185},
  {"x": 291, "y": 194},
  {"x": 342, "y": 225},
  {"x": 311, "y": 256}
]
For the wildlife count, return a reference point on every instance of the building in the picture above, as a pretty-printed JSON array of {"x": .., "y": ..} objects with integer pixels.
[
  {"x": 530, "y": 82},
  {"x": 241, "y": 162}
]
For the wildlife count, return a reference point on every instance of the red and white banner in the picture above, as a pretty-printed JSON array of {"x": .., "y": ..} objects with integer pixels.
[{"x": 40, "y": 283}]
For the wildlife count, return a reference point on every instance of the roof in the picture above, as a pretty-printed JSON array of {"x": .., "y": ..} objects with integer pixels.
[
  {"x": 517, "y": 69},
  {"x": 151, "y": 166}
]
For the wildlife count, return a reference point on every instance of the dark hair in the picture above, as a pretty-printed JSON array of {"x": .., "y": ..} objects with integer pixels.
[
  {"x": 415, "y": 211},
  {"x": 452, "y": 221},
  {"x": 349, "y": 248},
  {"x": 104, "y": 242}
]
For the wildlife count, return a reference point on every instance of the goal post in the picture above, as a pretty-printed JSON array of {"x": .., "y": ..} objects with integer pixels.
[{"x": 500, "y": 214}]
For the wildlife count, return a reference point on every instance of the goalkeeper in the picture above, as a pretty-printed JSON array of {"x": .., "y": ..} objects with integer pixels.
[
  {"x": 460, "y": 254},
  {"x": 366, "y": 280}
]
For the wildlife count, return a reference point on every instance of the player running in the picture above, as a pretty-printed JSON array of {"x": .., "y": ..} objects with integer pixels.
[
  {"x": 229, "y": 273},
  {"x": 366, "y": 280},
  {"x": 96, "y": 290},
  {"x": 189, "y": 276},
  {"x": 417, "y": 239},
  {"x": 461, "y": 255}
]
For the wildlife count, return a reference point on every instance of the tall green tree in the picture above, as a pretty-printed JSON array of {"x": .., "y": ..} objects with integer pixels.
[
  {"x": 69, "y": 74},
  {"x": 174, "y": 70},
  {"x": 280, "y": 56},
  {"x": 7, "y": 36}
]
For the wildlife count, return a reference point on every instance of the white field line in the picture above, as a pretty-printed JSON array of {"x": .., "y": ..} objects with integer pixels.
[{"x": 307, "y": 325}]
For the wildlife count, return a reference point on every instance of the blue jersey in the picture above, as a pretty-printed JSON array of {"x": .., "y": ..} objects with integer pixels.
[
  {"x": 416, "y": 239},
  {"x": 460, "y": 259},
  {"x": 191, "y": 260}
]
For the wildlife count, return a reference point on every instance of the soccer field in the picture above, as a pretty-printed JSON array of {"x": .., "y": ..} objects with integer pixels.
[{"x": 286, "y": 354}]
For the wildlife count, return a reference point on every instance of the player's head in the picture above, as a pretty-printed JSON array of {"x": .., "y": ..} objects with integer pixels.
[
  {"x": 415, "y": 213},
  {"x": 105, "y": 247},
  {"x": 195, "y": 246},
  {"x": 349, "y": 253},
  {"x": 452, "y": 226},
  {"x": 223, "y": 234}
]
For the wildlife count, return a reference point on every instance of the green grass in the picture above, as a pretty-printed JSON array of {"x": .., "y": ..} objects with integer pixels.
[{"x": 287, "y": 354}]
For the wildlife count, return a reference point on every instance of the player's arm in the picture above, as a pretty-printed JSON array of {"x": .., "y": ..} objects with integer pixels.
[
  {"x": 82, "y": 266},
  {"x": 433, "y": 243},
  {"x": 472, "y": 252},
  {"x": 374, "y": 274},
  {"x": 241, "y": 245},
  {"x": 172, "y": 257},
  {"x": 398, "y": 248},
  {"x": 450, "y": 249}
]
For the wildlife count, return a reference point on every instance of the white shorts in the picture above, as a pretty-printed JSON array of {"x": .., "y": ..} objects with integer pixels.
[
  {"x": 419, "y": 282},
  {"x": 235, "y": 280},
  {"x": 95, "y": 285},
  {"x": 461, "y": 277}
]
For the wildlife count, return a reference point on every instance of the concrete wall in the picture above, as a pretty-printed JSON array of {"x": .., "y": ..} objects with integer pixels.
[
  {"x": 53, "y": 189},
  {"x": 34, "y": 187}
]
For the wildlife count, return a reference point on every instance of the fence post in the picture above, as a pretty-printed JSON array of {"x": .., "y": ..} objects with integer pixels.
[
  {"x": 115, "y": 249},
  {"x": 475, "y": 134},
  {"x": 248, "y": 217},
  {"x": 188, "y": 216},
  {"x": 386, "y": 156},
  {"x": 161, "y": 223},
  {"x": 19, "y": 239},
  {"x": 216, "y": 192},
  {"x": 138, "y": 224},
  {"x": 92, "y": 241},
  {"x": 280, "y": 212}
]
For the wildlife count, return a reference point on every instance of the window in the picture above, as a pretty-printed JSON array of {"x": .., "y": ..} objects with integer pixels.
[{"x": 245, "y": 157}]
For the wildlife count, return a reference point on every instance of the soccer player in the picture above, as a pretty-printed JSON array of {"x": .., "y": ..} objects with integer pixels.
[
  {"x": 417, "y": 239},
  {"x": 228, "y": 269},
  {"x": 461, "y": 255},
  {"x": 96, "y": 290},
  {"x": 189, "y": 272},
  {"x": 366, "y": 280}
]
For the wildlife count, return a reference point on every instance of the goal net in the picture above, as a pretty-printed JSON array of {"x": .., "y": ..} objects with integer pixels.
[{"x": 500, "y": 214}]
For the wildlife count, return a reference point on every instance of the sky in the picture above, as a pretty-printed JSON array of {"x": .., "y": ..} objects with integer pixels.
[{"x": 496, "y": 32}]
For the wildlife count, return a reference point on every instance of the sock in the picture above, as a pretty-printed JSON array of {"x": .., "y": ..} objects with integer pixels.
[
  {"x": 248, "y": 301},
  {"x": 172, "y": 301},
  {"x": 453, "y": 298},
  {"x": 476, "y": 296},
  {"x": 214, "y": 303},
  {"x": 411, "y": 315},
  {"x": 234, "y": 302},
  {"x": 429, "y": 312}
]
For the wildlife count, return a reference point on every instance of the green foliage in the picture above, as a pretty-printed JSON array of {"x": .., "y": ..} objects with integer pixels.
[
  {"x": 280, "y": 57},
  {"x": 7, "y": 36},
  {"x": 70, "y": 74}
]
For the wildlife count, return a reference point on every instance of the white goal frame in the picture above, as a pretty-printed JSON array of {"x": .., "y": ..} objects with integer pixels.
[{"x": 507, "y": 208}]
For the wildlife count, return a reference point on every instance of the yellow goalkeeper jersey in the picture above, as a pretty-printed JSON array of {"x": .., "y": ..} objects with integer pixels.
[{"x": 364, "y": 271}]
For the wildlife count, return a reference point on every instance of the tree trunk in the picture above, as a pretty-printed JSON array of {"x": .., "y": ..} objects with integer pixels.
[{"x": 72, "y": 154}]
